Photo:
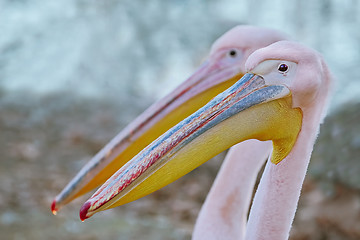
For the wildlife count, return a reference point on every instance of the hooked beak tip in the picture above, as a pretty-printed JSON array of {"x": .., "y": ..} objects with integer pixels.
[
  {"x": 84, "y": 210},
  {"x": 54, "y": 208}
]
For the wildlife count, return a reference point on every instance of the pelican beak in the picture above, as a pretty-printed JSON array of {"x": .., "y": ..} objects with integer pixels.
[
  {"x": 249, "y": 109},
  {"x": 208, "y": 81}
]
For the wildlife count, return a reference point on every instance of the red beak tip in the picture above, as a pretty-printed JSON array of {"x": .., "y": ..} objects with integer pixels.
[
  {"x": 84, "y": 210},
  {"x": 53, "y": 207}
]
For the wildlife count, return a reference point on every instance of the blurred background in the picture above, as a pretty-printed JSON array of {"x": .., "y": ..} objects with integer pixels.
[{"x": 73, "y": 73}]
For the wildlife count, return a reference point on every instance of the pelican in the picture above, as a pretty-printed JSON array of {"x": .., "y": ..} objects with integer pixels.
[
  {"x": 224, "y": 66},
  {"x": 282, "y": 98}
]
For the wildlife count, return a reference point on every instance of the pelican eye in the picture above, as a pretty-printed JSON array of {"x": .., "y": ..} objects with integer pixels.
[
  {"x": 232, "y": 53},
  {"x": 283, "y": 68}
]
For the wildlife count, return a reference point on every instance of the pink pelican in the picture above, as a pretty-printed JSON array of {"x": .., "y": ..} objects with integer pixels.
[
  {"x": 224, "y": 67},
  {"x": 282, "y": 98}
]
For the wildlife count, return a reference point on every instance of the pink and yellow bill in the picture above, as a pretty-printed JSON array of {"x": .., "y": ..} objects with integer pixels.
[
  {"x": 208, "y": 81},
  {"x": 249, "y": 109}
]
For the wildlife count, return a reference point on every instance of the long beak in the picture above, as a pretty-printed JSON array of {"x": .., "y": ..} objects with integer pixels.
[
  {"x": 249, "y": 109},
  {"x": 208, "y": 81}
]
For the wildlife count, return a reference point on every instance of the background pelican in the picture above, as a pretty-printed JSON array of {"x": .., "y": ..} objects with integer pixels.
[
  {"x": 283, "y": 99},
  {"x": 222, "y": 68}
]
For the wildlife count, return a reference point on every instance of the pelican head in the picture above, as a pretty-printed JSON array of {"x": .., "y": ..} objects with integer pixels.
[{"x": 285, "y": 87}]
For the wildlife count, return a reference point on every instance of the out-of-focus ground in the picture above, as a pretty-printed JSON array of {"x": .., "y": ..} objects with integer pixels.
[
  {"x": 73, "y": 73},
  {"x": 38, "y": 160}
]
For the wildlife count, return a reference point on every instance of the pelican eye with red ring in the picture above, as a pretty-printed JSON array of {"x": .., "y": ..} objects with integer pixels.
[{"x": 283, "y": 68}]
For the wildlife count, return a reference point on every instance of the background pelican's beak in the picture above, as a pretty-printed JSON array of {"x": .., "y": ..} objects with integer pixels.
[
  {"x": 209, "y": 80},
  {"x": 248, "y": 109}
]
